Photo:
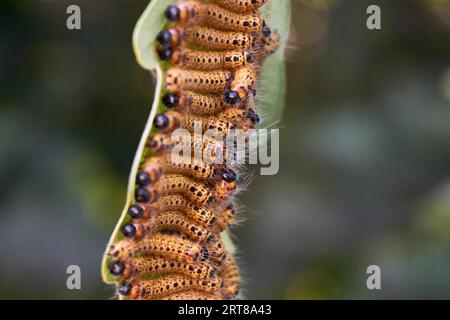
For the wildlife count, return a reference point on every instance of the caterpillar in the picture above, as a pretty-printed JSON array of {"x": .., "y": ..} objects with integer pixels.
[
  {"x": 196, "y": 12},
  {"x": 169, "y": 220},
  {"x": 208, "y": 58},
  {"x": 167, "y": 285},
  {"x": 172, "y": 120},
  {"x": 206, "y": 37},
  {"x": 195, "y": 191},
  {"x": 217, "y": 40},
  {"x": 147, "y": 265},
  {"x": 202, "y": 81},
  {"x": 163, "y": 245},
  {"x": 201, "y": 214},
  {"x": 195, "y": 103}
]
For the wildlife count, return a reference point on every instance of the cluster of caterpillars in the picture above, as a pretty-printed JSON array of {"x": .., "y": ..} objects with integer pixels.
[{"x": 172, "y": 247}]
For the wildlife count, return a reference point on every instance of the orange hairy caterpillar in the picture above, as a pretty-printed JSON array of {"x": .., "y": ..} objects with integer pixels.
[
  {"x": 201, "y": 81},
  {"x": 196, "y": 12},
  {"x": 218, "y": 40},
  {"x": 168, "y": 220},
  {"x": 211, "y": 148},
  {"x": 168, "y": 285},
  {"x": 193, "y": 295},
  {"x": 201, "y": 214},
  {"x": 171, "y": 120},
  {"x": 206, "y": 60},
  {"x": 242, "y": 85},
  {"x": 231, "y": 278},
  {"x": 196, "y": 191},
  {"x": 155, "y": 167},
  {"x": 194, "y": 102},
  {"x": 148, "y": 265},
  {"x": 163, "y": 245},
  {"x": 241, "y": 6}
]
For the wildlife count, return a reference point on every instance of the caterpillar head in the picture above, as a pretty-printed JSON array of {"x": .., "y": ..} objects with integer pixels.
[
  {"x": 122, "y": 270},
  {"x": 171, "y": 100},
  {"x": 169, "y": 38},
  {"x": 136, "y": 211},
  {"x": 227, "y": 185}
]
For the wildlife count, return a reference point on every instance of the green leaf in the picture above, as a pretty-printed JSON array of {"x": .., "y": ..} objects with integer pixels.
[{"x": 276, "y": 14}]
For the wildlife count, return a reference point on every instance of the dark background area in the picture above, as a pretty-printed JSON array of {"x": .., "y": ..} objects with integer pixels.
[{"x": 365, "y": 151}]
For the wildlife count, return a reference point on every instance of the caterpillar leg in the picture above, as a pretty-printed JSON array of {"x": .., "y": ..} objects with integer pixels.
[{"x": 206, "y": 60}]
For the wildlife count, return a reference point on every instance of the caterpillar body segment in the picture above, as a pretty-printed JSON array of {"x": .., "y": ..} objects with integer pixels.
[
  {"x": 193, "y": 295},
  {"x": 208, "y": 60},
  {"x": 168, "y": 285},
  {"x": 199, "y": 81},
  {"x": 158, "y": 244},
  {"x": 148, "y": 265},
  {"x": 241, "y": 6},
  {"x": 213, "y": 39},
  {"x": 209, "y": 14},
  {"x": 242, "y": 85}
]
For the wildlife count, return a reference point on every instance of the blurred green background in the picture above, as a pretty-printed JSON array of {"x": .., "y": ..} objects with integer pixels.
[{"x": 365, "y": 151}]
